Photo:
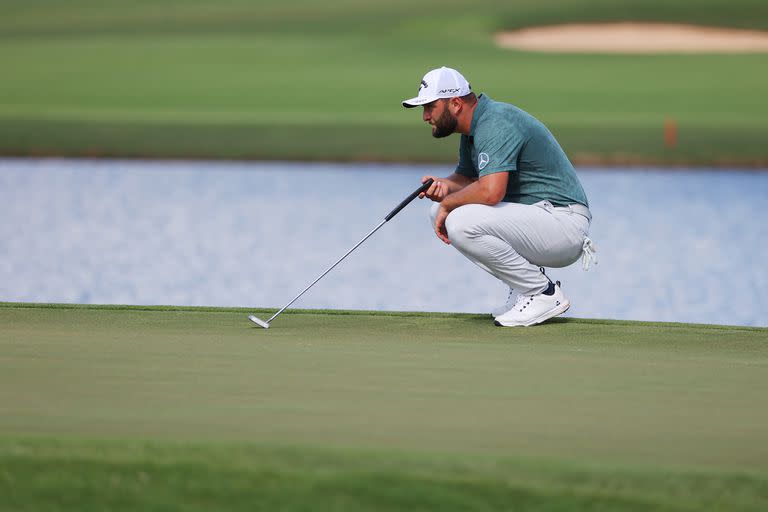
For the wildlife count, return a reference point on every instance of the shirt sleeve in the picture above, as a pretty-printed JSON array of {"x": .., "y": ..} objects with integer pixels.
[
  {"x": 498, "y": 152},
  {"x": 465, "y": 167}
]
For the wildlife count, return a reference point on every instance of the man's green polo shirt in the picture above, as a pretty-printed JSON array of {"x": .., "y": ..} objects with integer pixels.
[{"x": 504, "y": 138}]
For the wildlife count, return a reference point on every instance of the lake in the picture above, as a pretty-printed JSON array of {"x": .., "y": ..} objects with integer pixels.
[{"x": 673, "y": 245}]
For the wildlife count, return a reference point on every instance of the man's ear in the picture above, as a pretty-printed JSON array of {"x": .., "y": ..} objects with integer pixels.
[{"x": 455, "y": 105}]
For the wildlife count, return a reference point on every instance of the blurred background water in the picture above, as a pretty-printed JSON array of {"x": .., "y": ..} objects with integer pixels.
[{"x": 673, "y": 245}]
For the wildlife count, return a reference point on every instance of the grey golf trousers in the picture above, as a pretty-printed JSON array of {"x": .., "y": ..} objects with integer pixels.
[{"x": 511, "y": 241}]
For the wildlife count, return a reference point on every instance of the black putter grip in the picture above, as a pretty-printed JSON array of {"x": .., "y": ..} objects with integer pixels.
[{"x": 408, "y": 199}]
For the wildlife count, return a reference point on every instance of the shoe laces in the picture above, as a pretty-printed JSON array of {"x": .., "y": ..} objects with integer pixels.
[
  {"x": 588, "y": 253},
  {"x": 522, "y": 302}
]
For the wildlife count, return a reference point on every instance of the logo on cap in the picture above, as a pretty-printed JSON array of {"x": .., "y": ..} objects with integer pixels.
[
  {"x": 482, "y": 160},
  {"x": 423, "y": 85}
]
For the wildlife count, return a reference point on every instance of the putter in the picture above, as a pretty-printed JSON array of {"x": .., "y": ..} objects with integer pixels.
[{"x": 423, "y": 188}]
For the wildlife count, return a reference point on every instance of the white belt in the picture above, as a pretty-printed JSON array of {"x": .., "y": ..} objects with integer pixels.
[{"x": 578, "y": 209}]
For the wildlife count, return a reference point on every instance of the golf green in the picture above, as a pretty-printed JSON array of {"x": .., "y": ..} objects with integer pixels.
[{"x": 349, "y": 395}]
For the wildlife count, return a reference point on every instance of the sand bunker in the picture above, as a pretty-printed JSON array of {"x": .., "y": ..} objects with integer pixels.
[{"x": 634, "y": 38}]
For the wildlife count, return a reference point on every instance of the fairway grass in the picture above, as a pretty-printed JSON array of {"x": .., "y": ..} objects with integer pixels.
[
  {"x": 299, "y": 80},
  {"x": 163, "y": 408}
]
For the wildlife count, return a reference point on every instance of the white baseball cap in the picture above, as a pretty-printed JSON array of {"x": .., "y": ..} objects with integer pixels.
[{"x": 439, "y": 83}]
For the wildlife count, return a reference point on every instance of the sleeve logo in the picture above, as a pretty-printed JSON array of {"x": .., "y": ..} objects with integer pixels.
[{"x": 482, "y": 160}]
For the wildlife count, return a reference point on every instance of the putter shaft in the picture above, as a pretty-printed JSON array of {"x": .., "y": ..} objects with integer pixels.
[
  {"x": 395, "y": 211},
  {"x": 358, "y": 244}
]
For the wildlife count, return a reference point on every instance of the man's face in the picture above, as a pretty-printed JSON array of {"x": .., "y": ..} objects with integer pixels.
[{"x": 439, "y": 116}]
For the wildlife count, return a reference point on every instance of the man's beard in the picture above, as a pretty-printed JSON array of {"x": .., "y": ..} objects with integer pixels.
[{"x": 444, "y": 125}]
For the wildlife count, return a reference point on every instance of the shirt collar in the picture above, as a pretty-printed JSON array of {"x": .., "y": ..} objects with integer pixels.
[{"x": 482, "y": 104}]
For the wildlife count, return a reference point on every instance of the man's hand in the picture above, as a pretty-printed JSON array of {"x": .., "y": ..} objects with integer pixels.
[
  {"x": 437, "y": 191},
  {"x": 440, "y": 231}
]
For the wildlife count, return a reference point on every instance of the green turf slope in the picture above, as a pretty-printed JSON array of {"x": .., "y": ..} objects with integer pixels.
[
  {"x": 324, "y": 80},
  {"x": 193, "y": 408}
]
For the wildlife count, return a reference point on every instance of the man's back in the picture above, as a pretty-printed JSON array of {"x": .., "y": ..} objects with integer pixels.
[{"x": 504, "y": 137}]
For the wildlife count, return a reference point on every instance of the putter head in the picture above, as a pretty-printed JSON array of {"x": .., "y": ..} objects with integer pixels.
[{"x": 259, "y": 322}]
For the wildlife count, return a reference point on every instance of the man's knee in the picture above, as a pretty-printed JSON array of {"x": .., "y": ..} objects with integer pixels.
[
  {"x": 454, "y": 223},
  {"x": 433, "y": 212},
  {"x": 462, "y": 224}
]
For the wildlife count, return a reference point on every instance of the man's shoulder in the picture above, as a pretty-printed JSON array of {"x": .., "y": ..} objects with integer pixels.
[
  {"x": 502, "y": 112},
  {"x": 500, "y": 118}
]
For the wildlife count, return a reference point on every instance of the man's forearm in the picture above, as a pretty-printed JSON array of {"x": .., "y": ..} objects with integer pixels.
[
  {"x": 457, "y": 182},
  {"x": 467, "y": 195},
  {"x": 478, "y": 192}
]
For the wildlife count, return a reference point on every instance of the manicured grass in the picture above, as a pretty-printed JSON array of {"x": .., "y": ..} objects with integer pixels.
[
  {"x": 324, "y": 81},
  {"x": 434, "y": 17},
  {"x": 58, "y": 475},
  {"x": 379, "y": 411}
]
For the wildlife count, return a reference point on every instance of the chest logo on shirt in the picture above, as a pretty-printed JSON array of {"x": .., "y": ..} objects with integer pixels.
[{"x": 482, "y": 161}]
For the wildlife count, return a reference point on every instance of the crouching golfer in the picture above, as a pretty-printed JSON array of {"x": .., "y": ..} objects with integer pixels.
[{"x": 514, "y": 204}]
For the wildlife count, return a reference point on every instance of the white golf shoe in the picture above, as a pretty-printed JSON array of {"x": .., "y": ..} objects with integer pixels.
[
  {"x": 534, "y": 309},
  {"x": 500, "y": 310}
]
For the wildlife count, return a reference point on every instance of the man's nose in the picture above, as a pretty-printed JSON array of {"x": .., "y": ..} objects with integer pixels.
[{"x": 425, "y": 116}]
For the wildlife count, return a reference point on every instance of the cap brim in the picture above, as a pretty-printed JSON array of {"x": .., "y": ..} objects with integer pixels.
[{"x": 417, "y": 102}]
